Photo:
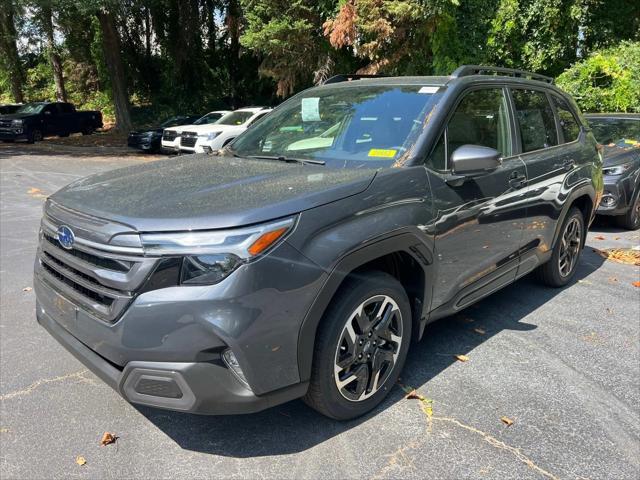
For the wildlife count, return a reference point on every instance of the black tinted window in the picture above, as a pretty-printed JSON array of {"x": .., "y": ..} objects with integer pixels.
[
  {"x": 65, "y": 108},
  {"x": 535, "y": 120},
  {"x": 481, "y": 118},
  {"x": 568, "y": 123},
  {"x": 437, "y": 160}
]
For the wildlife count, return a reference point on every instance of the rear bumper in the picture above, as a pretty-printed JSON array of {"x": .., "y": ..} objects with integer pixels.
[{"x": 195, "y": 387}]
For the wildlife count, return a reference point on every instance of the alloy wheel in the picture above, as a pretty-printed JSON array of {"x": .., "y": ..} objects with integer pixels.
[
  {"x": 368, "y": 348},
  {"x": 570, "y": 247},
  {"x": 635, "y": 212},
  {"x": 37, "y": 136}
]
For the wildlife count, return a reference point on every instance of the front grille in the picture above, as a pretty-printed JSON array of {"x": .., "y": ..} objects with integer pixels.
[
  {"x": 5, "y": 123},
  {"x": 96, "y": 277},
  {"x": 169, "y": 135},
  {"x": 108, "y": 263},
  {"x": 188, "y": 139}
]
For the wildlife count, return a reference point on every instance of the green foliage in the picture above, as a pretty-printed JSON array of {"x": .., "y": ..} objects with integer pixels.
[{"x": 607, "y": 81}]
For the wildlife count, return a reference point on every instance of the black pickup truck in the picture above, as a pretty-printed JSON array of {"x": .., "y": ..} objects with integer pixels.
[{"x": 34, "y": 121}]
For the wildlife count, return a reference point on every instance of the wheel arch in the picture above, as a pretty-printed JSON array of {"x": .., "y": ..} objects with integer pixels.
[
  {"x": 585, "y": 199},
  {"x": 403, "y": 256}
]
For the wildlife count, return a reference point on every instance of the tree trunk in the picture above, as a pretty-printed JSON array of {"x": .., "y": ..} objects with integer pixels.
[
  {"x": 234, "y": 13},
  {"x": 9, "y": 52},
  {"x": 54, "y": 57},
  {"x": 113, "y": 60}
]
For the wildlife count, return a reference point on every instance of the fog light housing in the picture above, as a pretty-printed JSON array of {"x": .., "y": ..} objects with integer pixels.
[
  {"x": 231, "y": 362},
  {"x": 608, "y": 200}
]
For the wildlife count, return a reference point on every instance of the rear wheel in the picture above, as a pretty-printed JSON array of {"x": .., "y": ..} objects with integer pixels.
[
  {"x": 631, "y": 219},
  {"x": 361, "y": 346},
  {"x": 87, "y": 130},
  {"x": 560, "y": 269}
]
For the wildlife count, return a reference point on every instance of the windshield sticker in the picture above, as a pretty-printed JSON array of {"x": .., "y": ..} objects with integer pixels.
[
  {"x": 311, "y": 109},
  {"x": 382, "y": 152},
  {"x": 428, "y": 90}
]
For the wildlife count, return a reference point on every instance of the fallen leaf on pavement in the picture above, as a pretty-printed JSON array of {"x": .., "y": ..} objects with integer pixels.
[
  {"x": 108, "y": 438},
  {"x": 617, "y": 238},
  {"x": 481, "y": 331},
  {"x": 462, "y": 358},
  {"x": 636, "y": 284},
  {"x": 599, "y": 237},
  {"x": 628, "y": 256},
  {"x": 613, "y": 279},
  {"x": 507, "y": 421},
  {"x": 80, "y": 460},
  {"x": 413, "y": 395},
  {"x": 27, "y": 289},
  {"x": 586, "y": 282}
]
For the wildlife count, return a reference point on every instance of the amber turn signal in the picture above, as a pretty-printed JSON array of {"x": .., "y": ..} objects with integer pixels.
[{"x": 265, "y": 241}]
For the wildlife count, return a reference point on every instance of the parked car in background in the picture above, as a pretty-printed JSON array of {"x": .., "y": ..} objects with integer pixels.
[
  {"x": 34, "y": 121},
  {"x": 619, "y": 135},
  {"x": 171, "y": 136},
  {"x": 207, "y": 138},
  {"x": 150, "y": 139},
  {"x": 10, "y": 108},
  {"x": 230, "y": 283}
]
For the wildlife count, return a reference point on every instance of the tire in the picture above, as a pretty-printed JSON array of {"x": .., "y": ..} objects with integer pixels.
[
  {"x": 34, "y": 136},
  {"x": 87, "y": 130},
  {"x": 228, "y": 141},
  {"x": 64, "y": 134},
  {"x": 631, "y": 219},
  {"x": 374, "y": 346},
  {"x": 562, "y": 265}
]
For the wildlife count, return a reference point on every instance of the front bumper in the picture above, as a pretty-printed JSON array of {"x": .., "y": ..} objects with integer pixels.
[
  {"x": 12, "y": 134},
  {"x": 617, "y": 195},
  {"x": 195, "y": 387}
]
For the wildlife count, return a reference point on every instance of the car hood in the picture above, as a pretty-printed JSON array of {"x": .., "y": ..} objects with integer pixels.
[
  {"x": 18, "y": 116},
  {"x": 617, "y": 155},
  {"x": 208, "y": 192},
  {"x": 207, "y": 128},
  {"x": 147, "y": 130}
]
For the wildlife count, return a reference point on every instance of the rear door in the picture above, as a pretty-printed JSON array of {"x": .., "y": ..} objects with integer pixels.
[
  {"x": 479, "y": 223},
  {"x": 550, "y": 162}
]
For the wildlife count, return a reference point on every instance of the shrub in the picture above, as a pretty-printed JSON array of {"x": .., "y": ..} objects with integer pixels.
[{"x": 608, "y": 80}]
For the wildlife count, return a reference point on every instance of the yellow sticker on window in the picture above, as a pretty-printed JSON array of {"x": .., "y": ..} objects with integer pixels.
[{"x": 382, "y": 152}]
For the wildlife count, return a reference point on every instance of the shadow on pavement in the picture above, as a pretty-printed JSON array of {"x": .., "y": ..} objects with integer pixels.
[
  {"x": 47, "y": 148},
  {"x": 293, "y": 427}
]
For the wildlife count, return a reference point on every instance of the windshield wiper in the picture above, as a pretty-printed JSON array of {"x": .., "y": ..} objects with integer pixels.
[{"x": 282, "y": 158}]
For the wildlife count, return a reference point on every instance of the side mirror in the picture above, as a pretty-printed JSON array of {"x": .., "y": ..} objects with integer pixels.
[
  {"x": 474, "y": 160},
  {"x": 47, "y": 112}
]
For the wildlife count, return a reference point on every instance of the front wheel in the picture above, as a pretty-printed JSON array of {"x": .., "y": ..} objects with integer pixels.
[
  {"x": 561, "y": 268},
  {"x": 631, "y": 219},
  {"x": 34, "y": 136},
  {"x": 361, "y": 346}
]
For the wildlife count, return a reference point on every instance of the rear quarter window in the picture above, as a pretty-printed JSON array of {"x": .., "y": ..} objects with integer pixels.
[{"x": 568, "y": 124}]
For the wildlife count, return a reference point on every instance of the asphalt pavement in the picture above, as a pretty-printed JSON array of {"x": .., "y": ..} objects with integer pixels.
[{"x": 562, "y": 365}]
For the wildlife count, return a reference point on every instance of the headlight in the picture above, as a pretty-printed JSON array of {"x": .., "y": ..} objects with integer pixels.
[
  {"x": 210, "y": 256},
  {"x": 17, "y": 122},
  {"x": 617, "y": 170},
  {"x": 212, "y": 135}
]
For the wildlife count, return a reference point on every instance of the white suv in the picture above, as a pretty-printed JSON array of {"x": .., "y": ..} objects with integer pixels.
[
  {"x": 205, "y": 138},
  {"x": 171, "y": 136}
]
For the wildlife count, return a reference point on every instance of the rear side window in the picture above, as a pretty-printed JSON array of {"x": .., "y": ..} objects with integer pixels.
[
  {"x": 65, "y": 108},
  {"x": 535, "y": 120},
  {"x": 568, "y": 123}
]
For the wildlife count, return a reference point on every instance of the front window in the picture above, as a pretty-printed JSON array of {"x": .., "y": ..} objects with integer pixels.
[
  {"x": 31, "y": 108},
  {"x": 535, "y": 120},
  {"x": 342, "y": 125},
  {"x": 235, "y": 118},
  {"x": 616, "y": 132}
]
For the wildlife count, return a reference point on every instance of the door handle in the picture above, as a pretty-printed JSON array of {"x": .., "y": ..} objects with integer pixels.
[{"x": 517, "y": 180}]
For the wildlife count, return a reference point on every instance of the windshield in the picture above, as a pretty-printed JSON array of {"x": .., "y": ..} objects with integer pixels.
[
  {"x": 342, "y": 125},
  {"x": 621, "y": 132},
  {"x": 31, "y": 108},
  {"x": 235, "y": 118},
  {"x": 174, "y": 121},
  {"x": 208, "y": 118}
]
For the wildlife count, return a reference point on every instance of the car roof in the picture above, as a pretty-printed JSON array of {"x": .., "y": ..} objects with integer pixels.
[{"x": 252, "y": 109}]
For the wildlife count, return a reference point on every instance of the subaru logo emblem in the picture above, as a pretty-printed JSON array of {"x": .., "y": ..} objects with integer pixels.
[{"x": 65, "y": 237}]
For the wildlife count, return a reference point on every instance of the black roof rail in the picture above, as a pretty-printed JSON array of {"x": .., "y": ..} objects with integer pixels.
[
  {"x": 344, "y": 77},
  {"x": 466, "y": 70}
]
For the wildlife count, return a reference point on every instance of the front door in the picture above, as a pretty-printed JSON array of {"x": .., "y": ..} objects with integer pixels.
[{"x": 478, "y": 228}]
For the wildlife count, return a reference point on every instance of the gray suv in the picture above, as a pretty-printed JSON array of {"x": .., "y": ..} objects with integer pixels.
[{"x": 305, "y": 258}]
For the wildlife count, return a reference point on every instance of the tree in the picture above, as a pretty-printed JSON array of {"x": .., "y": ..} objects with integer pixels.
[
  {"x": 10, "y": 59},
  {"x": 54, "y": 56},
  {"x": 113, "y": 60}
]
